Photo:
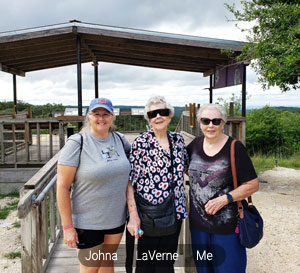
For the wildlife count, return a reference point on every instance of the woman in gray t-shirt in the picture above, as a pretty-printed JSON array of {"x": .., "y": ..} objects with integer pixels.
[{"x": 94, "y": 162}]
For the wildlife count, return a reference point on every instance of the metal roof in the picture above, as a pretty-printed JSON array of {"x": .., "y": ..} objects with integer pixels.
[{"x": 52, "y": 46}]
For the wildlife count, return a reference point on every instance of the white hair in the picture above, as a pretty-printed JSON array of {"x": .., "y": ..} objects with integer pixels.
[
  {"x": 212, "y": 106},
  {"x": 156, "y": 100}
]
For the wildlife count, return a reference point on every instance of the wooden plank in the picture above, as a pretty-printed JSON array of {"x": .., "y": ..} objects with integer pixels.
[
  {"x": 52, "y": 214},
  {"x": 1, "y": 142},
  {"x": 70, "y": 118},
  {"x": 38, "y": 139},
  {"x": 50, "y": 140},
  {"x": 44, "y": 228},
  {"x": 37, "y": 262},
  {"x": 26, "y": 251},
  {"x": 27, "y": 140},
  {"x": 14, "y": 142},
  {"x": 11, "y": 70}
]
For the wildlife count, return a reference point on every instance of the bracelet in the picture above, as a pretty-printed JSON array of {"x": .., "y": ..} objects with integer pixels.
[{"x": 70, "y": 226}]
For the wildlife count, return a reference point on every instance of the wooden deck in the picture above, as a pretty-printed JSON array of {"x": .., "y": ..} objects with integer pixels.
[{"x": 64, "y": 260}]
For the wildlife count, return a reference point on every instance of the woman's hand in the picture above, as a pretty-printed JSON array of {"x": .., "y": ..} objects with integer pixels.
[
  {"x": 71, "y": 237},
  {"x": 134, "y": 224},
  {"x": 214, "y": 205}
]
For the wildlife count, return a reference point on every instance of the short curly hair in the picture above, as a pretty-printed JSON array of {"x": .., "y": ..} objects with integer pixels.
[
  {"x": 213, "y": 106},
  {"x": 156, "y": 100}
]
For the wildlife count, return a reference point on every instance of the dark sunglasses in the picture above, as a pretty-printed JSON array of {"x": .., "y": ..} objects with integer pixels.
[
  {"x": 215, "y": 121},
  {"x": 162, "y": 112}
]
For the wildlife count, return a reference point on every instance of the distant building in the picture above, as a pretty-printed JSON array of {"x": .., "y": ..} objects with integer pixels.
[
  {"x": 137, "y": 111},
  {"x": 73, "y": 111}
]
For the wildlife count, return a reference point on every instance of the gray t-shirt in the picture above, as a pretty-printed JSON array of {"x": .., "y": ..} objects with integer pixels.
[{"x": 98, "y": 196}]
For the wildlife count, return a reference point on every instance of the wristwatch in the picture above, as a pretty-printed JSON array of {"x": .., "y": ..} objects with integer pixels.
[{"x": 229, "y": 198}]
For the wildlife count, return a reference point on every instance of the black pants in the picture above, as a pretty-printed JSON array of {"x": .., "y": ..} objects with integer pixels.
[{"x": 154, "y": 254}]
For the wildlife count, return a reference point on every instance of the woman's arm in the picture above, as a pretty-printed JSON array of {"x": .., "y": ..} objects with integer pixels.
[
  {"x": 65, "y": 177},
  {"x": 238, "y": 194},
  {"x": 134, "y": 219}
]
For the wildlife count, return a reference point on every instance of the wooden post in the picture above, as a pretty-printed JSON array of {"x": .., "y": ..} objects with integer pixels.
[
  {"x": 2, "y": 141},
  {"x": 29, "y": 112},
  {"x": 61, "y": 134},
  {"x": 14, "y": 142},
  {"x": 231, "y": 109},
  {"x": 27, "y": 141},
  {"x": 52, "y": 214},
  {"x": 44, "y": 229},
  {"x": 191, "y": 111},
  {"x": 50, "y": 140},
  {"x": 37, "y": 261},
  {"x": 26, "y": 238},
  {"x": 185, "y": 107},
  {"x": 38, "y": 139}
]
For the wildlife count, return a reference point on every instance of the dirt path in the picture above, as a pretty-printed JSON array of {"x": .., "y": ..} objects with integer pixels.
[{"x": 278, "y": 201}]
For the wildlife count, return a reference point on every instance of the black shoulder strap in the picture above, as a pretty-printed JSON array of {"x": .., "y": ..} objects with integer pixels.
[{"x": 172, "y": 159}]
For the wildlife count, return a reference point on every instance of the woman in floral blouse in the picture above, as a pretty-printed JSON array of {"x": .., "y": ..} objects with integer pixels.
[{"x": 151, "y": 178}]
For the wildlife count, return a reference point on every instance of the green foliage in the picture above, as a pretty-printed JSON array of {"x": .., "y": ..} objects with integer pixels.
[
  {"x": 262, "y": 163},
  {"x": 12, "y": 194},
  {"x": 272, "y": 131},
  {"x": 274, "y": 40},
  {"x": 12, "y": 255},
  {"x": 17, "y": 224},
  {"x": 7, "y": 209},
  {"x": 38, "y": 111}
]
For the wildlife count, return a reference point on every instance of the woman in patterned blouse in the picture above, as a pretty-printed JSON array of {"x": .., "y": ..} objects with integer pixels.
[{"x": 150, "y": 178}]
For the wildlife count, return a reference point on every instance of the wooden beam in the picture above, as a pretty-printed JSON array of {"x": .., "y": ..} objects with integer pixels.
[
  {"x": 11, "y": 70},
  {"x": 89, "y": 50},
  {"x": 208, "y": 72}
]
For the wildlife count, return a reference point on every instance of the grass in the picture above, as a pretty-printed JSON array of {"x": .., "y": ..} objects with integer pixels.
[
  {"x": 12, "y": 255},
  {"x": 16, "y": 224},
  {"x": 8, "y": 208},
  {"x": 263, "y": 163},
  {"x": 13, "y": 194}
]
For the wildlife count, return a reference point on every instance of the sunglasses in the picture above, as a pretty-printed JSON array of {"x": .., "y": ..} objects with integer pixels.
[
  {"x": 215, "y": 121},
  {"x": 162, "y": 112}
]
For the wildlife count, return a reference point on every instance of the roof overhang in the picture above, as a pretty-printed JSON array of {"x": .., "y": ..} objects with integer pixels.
[{"x": 40, "y": 48}]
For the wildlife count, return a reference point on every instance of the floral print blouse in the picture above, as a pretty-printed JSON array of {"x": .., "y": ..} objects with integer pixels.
[{"x": 151, "y": 172}]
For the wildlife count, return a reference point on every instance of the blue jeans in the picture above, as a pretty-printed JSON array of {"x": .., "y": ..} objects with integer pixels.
[{"x": 216, "y": 253}]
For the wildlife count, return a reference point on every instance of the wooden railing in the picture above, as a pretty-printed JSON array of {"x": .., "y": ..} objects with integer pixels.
[
  {"x": 40, "y": 220},
  {"x": 21, "y": 141}
]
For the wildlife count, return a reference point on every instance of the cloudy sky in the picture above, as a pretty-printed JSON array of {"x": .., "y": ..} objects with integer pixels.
[{"x": 130, "y": 85}]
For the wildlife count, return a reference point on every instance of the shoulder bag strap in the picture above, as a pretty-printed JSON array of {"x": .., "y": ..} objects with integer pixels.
[
  {"x": 172, "y": 159},
  {"x": 234, "y": 176}
]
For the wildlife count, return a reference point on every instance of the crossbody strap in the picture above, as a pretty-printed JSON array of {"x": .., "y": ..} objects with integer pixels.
[
  {"x": 234, "y": 176},
  {"x": 172, "y": 159}
]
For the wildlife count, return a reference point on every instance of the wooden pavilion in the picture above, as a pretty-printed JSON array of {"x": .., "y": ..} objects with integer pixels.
[{"x": 74, "y": 43}]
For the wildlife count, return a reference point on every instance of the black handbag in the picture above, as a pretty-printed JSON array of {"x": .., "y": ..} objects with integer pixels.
[
  {"x": 158, "y": 220},
  {"x": 250, "y": 224}
]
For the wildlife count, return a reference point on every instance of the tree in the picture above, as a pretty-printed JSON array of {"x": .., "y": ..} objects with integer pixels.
[{"x": 274, "y": 40}]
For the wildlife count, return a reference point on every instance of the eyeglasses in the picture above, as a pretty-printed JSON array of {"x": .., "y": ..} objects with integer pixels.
[
  {"x": 162, "y": 112},
  {"x": 215, "y": 121},
  {"x": 97, "y": 115}
]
